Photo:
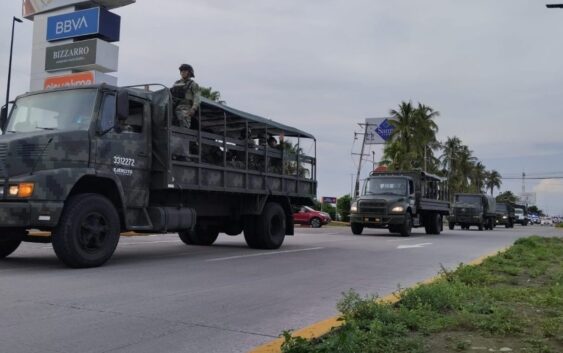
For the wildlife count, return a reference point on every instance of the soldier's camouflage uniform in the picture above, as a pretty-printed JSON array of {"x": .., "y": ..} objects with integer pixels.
[{"x": 186, "y": 98}]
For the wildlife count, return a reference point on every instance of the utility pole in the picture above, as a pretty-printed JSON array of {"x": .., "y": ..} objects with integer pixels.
[
  {"x": 523, "y": 183},
  {"x": 357, "y": 186}
]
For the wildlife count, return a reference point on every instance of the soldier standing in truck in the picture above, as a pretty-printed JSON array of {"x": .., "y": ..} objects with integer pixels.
[{"x": 186, "y": 96}]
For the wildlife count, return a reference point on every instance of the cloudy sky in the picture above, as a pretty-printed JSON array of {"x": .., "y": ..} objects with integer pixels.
[{"x": 493, "y": 69}]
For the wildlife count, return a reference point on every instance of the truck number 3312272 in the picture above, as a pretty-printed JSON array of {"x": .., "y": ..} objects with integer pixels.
[{"x": 118, "y": 160}]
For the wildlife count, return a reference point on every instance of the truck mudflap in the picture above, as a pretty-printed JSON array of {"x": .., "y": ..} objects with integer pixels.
[{"x": 30, "y": 214}]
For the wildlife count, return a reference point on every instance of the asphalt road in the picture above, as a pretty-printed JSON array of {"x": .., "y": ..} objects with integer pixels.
[{"x": 158, "y": 295}]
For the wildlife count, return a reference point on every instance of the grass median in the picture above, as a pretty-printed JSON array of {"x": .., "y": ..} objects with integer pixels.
[{"x": 512, "y": 302}]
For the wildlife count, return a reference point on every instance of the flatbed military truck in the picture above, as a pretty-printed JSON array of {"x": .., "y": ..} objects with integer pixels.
[
  {"x": 400, "y": 201},
  {"x": 505, "y": 214},
  {"x": 473, "y": 210},
  {"x": 84, "y": 164}
]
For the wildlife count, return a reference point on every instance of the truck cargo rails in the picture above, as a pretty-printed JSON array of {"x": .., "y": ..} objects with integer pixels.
[{"x": 87, "y": 163}]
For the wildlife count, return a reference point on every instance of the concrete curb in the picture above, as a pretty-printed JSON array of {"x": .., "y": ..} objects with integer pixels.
[{"x": 323, "y": 327}]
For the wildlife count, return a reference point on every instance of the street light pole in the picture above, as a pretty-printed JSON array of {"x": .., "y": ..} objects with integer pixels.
[{"x": 14, "y": 20}]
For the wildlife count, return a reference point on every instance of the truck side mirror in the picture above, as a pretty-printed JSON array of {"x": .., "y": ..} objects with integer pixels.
[
  {"x": 122, "y": 103},
  {"x": 3, "y": 117}
]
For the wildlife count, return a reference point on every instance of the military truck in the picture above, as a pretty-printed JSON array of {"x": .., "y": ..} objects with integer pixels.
[
  {"x": 505, "y": 214},
  {"x": 473, "y": 210},
  {"x": 400, "y": 201},
  {"x": 521, "y": 214},
  {"x": 85, "y": 164}
]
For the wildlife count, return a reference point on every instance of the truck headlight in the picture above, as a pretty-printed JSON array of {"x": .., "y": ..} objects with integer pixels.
[
  {"x": 398, "y": 209},
  {"x": 354, "y": 207},
  {"x": 504, "y": 217},
  {"x": 21, "y": 190}
]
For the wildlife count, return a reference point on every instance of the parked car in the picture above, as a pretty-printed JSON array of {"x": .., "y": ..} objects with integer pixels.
[
  {"x": 546, "y": 221},
  {"x": 307, "y": 215}
]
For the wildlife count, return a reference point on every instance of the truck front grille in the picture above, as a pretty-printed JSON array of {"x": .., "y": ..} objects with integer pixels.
[
  {"x": 376, "y": 207},
  {"x": 3, "y": 155},
  {"x": 463, "y": 211}
]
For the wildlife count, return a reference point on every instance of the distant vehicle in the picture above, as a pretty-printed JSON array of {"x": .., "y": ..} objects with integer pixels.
[
  {"x": 546, "y": 221},
  {"x": 556, "y": 220},
  {"x": 505, "y": 214},
  {"x": 307, "y": 215},
  {"x": 521, "y": 215},
  {"x": 400, "y": 201},
  {"x": 534, "y": 218},
  {"x": 473, "y": 210}
]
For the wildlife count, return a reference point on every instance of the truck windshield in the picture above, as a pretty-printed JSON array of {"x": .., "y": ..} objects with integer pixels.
[
  {"x": 394, "y": 186},
  {"x": 468, "y": 199},
  {"x": 519, "y": 212},
  {"x": 63, "y": 110}
]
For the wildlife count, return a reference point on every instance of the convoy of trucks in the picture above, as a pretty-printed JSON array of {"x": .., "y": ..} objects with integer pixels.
[
  {"x": 87, "y": 163},
  {"x": 473, "y": 210},
  {"x": 399, "y": 201}
]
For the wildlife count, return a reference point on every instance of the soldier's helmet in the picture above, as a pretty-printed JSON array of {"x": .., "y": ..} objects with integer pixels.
[{"x": 186, "y": 67}]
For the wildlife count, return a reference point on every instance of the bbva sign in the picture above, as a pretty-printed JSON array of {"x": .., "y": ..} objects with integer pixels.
[{"x": 92, "y": 23}]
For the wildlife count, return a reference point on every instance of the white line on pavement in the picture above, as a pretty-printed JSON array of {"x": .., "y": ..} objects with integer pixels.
[
  {"x": 261, "y": 254},
  {"x": 413, "y": 246}
]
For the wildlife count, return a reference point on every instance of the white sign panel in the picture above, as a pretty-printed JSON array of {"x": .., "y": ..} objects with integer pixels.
[
  {"x": 527, "y": 198},
  {"x": 31, "y": 8},
  {"x": 378, "y": 131}
]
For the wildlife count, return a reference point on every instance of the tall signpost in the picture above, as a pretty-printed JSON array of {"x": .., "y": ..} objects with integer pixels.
[
  {"x": 376, "y": 132},
  {"x": 73, "y": 41}
]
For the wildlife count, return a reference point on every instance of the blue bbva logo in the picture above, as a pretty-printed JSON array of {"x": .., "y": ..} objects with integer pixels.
[{"x": 94, "y": 22}]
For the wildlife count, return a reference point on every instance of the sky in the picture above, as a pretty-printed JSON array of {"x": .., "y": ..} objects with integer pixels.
[{"x": 493, "y": 69}]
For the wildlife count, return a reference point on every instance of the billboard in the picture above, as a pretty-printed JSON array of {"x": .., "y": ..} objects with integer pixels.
[
  {"x": 94, "y": 22},
  {"x": 78, "y": 79},
  {"x": 91, "y": 54},
  {"x": 328, "y": 199},
  {"x": 379, "y": 130},
  {"x": 31, "y": 8}
]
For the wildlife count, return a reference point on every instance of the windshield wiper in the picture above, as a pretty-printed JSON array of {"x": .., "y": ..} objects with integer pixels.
[{"x": 46, "y": 128}]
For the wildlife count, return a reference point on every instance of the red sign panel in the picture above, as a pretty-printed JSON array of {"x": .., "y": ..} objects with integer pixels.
[{"x": 78, "y": 79}]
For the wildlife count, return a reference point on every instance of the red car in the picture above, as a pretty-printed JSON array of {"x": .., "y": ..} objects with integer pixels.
[{"x": 307, "y": 215}]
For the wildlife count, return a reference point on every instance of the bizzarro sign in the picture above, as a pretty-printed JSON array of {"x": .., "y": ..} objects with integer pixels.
[
  {"x": 91, "y": 54},
  {"x": 94, "y": 22}
]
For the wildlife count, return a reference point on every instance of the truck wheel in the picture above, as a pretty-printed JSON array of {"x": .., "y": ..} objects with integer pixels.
[
  {"x": 88, "y": 231},
  {"x": 268, "y": 230},
  {"x": 199, "y": 236},
  {"x": 393, "y": 229},
  {"x": 406, "y": 228},
  {"x": 451, "y": 225},
  {"x": 10, "y": 240},
  {"x": 357, "y": 228},
  {"x": 432, "y": 223},
  {"x": 480, "y": 225},
  {"x": 316, "y": 223}
]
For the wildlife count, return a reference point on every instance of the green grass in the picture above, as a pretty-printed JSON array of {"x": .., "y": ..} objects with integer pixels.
[{"x": 512, "y": 300}]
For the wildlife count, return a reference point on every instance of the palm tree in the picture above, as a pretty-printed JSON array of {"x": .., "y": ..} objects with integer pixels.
[
  {"x": 209, "y": 93},
  {"x": 493, "y": 180},
  {"x": 478, "y": 177}
]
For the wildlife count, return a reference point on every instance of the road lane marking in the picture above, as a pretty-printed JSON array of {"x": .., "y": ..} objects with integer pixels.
[
  {"x": 261, "y": 254},
  {"x": 421, "y": 245}
]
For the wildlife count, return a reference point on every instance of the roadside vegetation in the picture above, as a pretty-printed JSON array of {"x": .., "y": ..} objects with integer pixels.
[{"x": 512, "y": 302}]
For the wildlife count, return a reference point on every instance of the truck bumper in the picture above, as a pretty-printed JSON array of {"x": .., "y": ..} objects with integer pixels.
[
  {"x": 377, "y": 221},
  {"x": 464, "y": 219},
  {"x": 30, "y": 214}
]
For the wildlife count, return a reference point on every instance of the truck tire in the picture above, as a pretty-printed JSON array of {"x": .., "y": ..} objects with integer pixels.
[
  {"x": 199, "y": 236},
  {"x": 10, "y": 240},
  {"x": 316, "y": 223},
  {"x": 88, "y": 231},
  {"x": 268, "y": 229},
  {"x": 406, "y": 228},
  {"x": 480, "y": 225},
  {"x": 394, "y": 229},
  {"x": 451, "y": 225},
  {"x": 357, "y": 228},
  {"x": 432, "y": 223}
]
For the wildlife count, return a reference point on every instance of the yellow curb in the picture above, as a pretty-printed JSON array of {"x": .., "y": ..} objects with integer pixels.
[{"x": 323, "y": 327}]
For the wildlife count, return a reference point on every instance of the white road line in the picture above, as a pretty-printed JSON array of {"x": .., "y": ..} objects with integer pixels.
[
  {"x": 261, "y": 254},
  {"x": 413, "y": 246}
]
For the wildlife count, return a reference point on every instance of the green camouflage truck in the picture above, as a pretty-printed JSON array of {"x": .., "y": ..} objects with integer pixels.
[
  {"x": 473, "y": 210},
  {"x": 505, "y": 214},
  {"x": 85, "y": 164},
  {"x": 400, "y": 201}
]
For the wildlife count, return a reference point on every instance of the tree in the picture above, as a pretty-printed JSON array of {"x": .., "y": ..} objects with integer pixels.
[
  {"x": 478, "y": 177},
  {"x": 507, "y": 196},
  {"x": 493, "y": 180},
  {"x": 413, "y": 140},
  {"x": 209, "y": 93},
  {"x": 343, "y": 207}
]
